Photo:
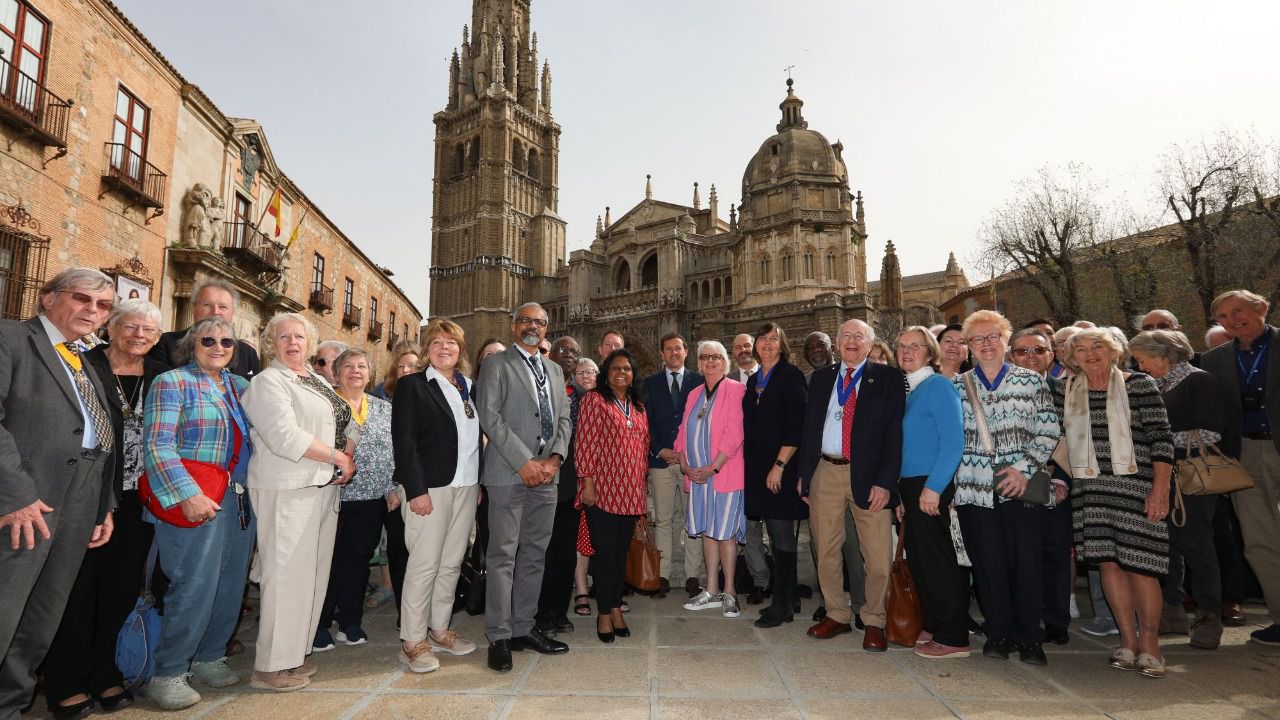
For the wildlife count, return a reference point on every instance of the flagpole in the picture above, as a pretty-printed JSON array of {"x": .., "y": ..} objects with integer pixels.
[
  {"x": 296, "y": 228},
  {"x": 258, "y": 225}
]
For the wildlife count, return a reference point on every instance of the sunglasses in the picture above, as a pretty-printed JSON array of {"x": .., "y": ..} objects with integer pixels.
[
  {"x": 1157, "y": 326},
  {"x": 1038, "y": 350},
  {"x": 320, "y": 362},
  {"x": 226, "y": 343},
  {"x": 543, "y": 350},
  {"x": 84, "y": 299}
]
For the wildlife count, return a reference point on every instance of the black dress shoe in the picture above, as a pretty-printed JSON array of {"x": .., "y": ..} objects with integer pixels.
[
  {"x": 857, "y": 622},
  {"x": 756, "y": 596},
  {"x": 692, "y": 586},
  {"x": 116, "y": 702},
  {"x": 500, "y": 655},
  {"x": 562, "y": 624},
  {"x": 664, "y": 587},
  {"x": 1056, "y": 634},
  {"x": 1032, "y": 654},
  {"x": 539, "y": 643},
  {"x": 81, "y": 709},
  {"x": 820, "y": 613},
  {"x": 998, "y": 649}
]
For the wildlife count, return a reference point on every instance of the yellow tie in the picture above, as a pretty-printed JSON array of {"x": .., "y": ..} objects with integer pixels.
[{"x": 70, "y": 357}]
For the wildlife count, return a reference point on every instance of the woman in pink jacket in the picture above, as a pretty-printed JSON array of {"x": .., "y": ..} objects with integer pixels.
[{"x": 710, "y": 448}]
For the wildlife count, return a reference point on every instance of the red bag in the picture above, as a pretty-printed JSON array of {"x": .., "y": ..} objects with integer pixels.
[{"x": 212, "y": 480}]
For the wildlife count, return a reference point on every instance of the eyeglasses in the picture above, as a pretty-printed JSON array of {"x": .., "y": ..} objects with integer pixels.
[
  {"x": 991, "y": 339},
  {"x": 536, "y": 322},
  {"x": 856, "y": 337},
  {"x": 709, "y": 358},
  {"x": 1158, "y": 326},
  {"x": 1037, "y": 350},
  {"x": 226, "y": 342},
  {"x": 544, "y": 351},
  {"x": 144, "y": 329},
  {"x": 84, "y": 299},
  {"x": 913, "y": 347},
  {"x": 587, "y": 373}
]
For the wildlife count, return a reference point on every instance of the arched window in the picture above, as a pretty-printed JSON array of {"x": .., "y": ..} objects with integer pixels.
[
  {"x": 787, "y": 268},
  {"x": 517, "y": 155},
  {"x": 649, "y": 271},
  {"x": 728, "y": 289},
  {"x": 706, "y": 292},
  {"x": 766, "y": 273},
  {"x": 459, "y": 159},
  {"x": 534, "y": 166},
  {"x": 829, "y": 272},
  {"x": 622, "y": 277},
  {"x": 808, "y": 266},
  {"x": 716, "y": 290},
  {"x": 694, "y": 300},
  {"x": 473, "y": 159}
]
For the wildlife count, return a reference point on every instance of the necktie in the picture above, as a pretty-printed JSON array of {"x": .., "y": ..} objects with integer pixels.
[
  {"x": 544, "y": 400},
  {"x": 846, "y": 420},
  {"x": 675, "y": 391},
  {"x": 97, "y": 413}
]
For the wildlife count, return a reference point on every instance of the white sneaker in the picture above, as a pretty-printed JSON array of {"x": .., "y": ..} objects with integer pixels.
[
  {"x": 1073, "y": 609},
  {"x": 172, "y": 692},
  {"x": 730, "y": 603},
  {"x": 216, "y": 674},
  {"x": 419, "y": 659},
  {"x": 704, "y": 601}
]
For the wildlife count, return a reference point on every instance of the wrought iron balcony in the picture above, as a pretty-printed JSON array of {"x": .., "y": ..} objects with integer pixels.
[
  {"x": 321, "y": 297},
  {"x": 24, "y": 258},
  {"x": 253, "y": 247},
  {"x": 28, "y": 105},
  {"x": 393, "y": 340},
  {"x": 132, "y": 175},
  {"x": 375, "y": 330},
  {"x": 351, "y": 316}
]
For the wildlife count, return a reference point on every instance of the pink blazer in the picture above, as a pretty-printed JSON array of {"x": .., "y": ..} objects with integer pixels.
[{"x": 726, "y": 433}]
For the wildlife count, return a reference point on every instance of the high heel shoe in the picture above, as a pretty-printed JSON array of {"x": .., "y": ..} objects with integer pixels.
[
  {"x": 622, "y": 632},
  {"x": 605, "y": 637},
  {"x": 619, "y": 625}
]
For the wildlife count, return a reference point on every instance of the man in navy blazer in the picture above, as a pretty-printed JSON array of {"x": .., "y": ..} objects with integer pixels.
[
  {"x": 667, "y": 391},
  {"x": 850, "y": 457}
]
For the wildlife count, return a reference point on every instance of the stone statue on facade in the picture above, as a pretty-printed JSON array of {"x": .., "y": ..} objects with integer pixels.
[
  {"x": 217, "y": 215},
  {"x": 195, "y": 217}
]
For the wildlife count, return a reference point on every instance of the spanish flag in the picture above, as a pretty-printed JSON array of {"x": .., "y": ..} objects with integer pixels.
[
  {"x": 293, "y": 236},
  {"x": 273, "y": 209}
]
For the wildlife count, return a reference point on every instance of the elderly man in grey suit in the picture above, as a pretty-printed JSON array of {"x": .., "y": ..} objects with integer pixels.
[
  {"x": 55, "y": 469},
  {"x": 525, "y": 414}
]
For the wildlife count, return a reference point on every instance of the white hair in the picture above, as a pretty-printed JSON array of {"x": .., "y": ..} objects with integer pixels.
[
  {"x": 134, "y": 307},
  {"x": 716, "y": 347}
]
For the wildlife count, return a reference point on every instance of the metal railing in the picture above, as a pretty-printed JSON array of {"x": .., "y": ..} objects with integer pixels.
[
  {"x": 351, "y": 316},
  {"x": 29, "y": 104},
  {"x": 321, "y": 296},
  {"x": 24, "y": 258},
  {"x": 392, "y": 340},
  {"x": 131, "y": 172},
  {"x": 375, "y": 330},
  {"x": 246, "y": 241}
]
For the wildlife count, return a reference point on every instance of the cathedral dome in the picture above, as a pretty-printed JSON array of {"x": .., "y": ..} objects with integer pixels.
[{"x": 794, "y": 150}]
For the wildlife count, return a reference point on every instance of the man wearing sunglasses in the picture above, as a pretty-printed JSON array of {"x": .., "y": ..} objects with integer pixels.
[
  {"x": 56, "y": 468},
  {"x": 326, "y": 353},
  {"x": 211, "y": 298}
]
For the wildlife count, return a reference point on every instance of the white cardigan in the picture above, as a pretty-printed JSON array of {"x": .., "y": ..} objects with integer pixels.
[{"x": 286, "y": 416}]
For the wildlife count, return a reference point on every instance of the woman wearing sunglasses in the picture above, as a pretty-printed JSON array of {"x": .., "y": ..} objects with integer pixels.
[{"x": 193, "y": 413}]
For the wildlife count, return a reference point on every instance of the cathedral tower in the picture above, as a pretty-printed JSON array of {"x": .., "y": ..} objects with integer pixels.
[{"x": 496, "y": 240}]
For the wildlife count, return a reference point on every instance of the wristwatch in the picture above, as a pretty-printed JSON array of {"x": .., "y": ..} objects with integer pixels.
[{"x": 779, "y": 463}]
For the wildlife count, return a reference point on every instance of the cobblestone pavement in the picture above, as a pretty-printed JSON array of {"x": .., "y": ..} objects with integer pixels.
[{"x": 701, "y": 666}]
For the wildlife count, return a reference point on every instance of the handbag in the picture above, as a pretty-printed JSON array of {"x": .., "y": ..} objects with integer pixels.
[
  {"x": 643, "y": 558},
  {"x": 1209, "y": 472},
  {"x": 211, "y": 479},
  {"x": 138, "y": 637},
  {"x": 469, "y": 595},
  {"x": 904, "y": 615},
  {"x": 1039, "y": 490}
]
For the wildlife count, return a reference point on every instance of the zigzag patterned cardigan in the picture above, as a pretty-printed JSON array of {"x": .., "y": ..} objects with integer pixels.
[{"x": 1024, "y": 428}]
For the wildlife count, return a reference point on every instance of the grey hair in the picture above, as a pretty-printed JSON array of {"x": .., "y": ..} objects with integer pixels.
[
  {"x": 716, "y": 347},
  {"x": 588, "y": 362},
  {"x": 349, "y": 355},
  {"x": 326, "y": 344},
  {"x": 1258, "y": 302},
  {"x": 818, "y": 334},
  {"x": 267, "y": 344},
  {"x": 516, "y": 313},
  {"x": 1112, "y": 337},
  {"x": 134, "y": 307},
  {"x": 1168, "y": 344},
  {"x": 1208, "y": 334},
  {"x": 220, "y": 284},
  {"x": 186, "y": 350},
  {"x": 1029, "y": 332},
  {"x": 1123, "y": 340},
  {"x": 77, "y": 278}
]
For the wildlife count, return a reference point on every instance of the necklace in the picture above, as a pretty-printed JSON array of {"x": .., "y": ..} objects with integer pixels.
[
  {"x": 127, "y": 403},
  {"x": 625, "y": 408},
  {"x": 709, "y": 400}
]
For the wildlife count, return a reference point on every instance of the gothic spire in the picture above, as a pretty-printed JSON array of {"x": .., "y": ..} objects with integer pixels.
[{"x": 697, "y": 199}]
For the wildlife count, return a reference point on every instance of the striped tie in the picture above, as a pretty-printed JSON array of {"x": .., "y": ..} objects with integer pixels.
[{"x": 97, "y": 413}]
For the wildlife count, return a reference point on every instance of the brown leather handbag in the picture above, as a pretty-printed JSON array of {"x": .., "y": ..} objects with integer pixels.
[
  {"x": 643, "y": 559},
  {"x": 904, "y": 614}
]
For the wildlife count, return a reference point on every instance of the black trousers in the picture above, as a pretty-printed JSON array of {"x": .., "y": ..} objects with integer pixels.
[
  {"x": 782, "y": 535},
  {"x": 1004, "y": 546},
  {"x": 1229, "y": 544},
  {"x": 941, "y": 582},
  {"x": 610, "y": 537},
  {"x": 1192, "y": 556},
  {"x": 82, "y": 658},
  {"x": 359, "y": 530},
  {"x": 1055, "y": 537},
  {"x": 397, "y": 553},
  {"x": 557, "y": 577}
]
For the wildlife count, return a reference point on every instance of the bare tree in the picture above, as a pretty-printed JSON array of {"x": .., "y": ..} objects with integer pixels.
[
  {"x": 1265, "y": 173},
  {"x": 1041, "y": 232}
]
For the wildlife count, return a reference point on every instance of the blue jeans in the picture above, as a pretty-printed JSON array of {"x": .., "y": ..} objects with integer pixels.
[{"x": 207, "y": 567}]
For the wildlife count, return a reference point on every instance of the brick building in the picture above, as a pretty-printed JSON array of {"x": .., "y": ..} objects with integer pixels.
[{"x": 109, "y": 158}]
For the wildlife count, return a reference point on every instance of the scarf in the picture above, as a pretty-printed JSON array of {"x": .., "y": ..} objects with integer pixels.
[
  {"x": 918, "y": 376},
  {"x": 1079, "y": 430}
]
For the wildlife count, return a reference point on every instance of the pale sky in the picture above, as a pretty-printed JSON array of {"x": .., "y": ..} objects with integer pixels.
[{"x": 941, "y": 106}]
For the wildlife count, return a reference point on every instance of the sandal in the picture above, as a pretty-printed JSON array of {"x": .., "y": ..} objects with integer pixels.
[
  {"x": 582, "y": 604},
  {"x": 1122, "y": 659},
  {"x": 1150, "y": 666}
]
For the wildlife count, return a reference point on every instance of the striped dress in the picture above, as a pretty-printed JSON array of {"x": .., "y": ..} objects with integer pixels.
[{"x": 1109, "y": 519}]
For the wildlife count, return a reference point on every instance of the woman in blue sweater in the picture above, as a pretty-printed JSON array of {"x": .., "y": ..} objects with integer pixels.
[{"x": 932, "y": 443}]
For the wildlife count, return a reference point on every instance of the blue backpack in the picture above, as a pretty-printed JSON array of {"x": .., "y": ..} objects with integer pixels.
[{"x": 136, "y": 643}]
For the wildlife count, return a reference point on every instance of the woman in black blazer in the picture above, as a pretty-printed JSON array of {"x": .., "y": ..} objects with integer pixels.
[
  {"x": 435, "y": 430},
  {"x": 81, "y": 663},
  {"x": 773, "y": 421}
]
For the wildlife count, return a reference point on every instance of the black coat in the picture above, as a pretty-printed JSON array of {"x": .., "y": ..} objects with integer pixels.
[
  {"x": 245, "y": 363},
  {"x": 97, "y": 359},
  {"x": 664, "y": 419},
  {"x": 424, "y": 435},
  {"x": 774, "y": 419}
]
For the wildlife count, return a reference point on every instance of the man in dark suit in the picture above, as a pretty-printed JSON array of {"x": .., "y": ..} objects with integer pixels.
[
  {"x": 667, "y": 391},
  {"x": 1248, "y": 373},
  {"x": 557, "y": 577},
  {"x": 212, "y": 298},
  {"x": 525, "y": 414},
  {"x": 850, "y": 457},
  {"x": 56, "y": 469}
]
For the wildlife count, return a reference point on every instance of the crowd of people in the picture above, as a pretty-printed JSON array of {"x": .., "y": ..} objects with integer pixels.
[{"x": 1004, "y": 462}]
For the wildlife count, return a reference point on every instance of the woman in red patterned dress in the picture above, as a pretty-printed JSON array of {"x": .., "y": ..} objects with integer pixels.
[{"x": 612, "y": 460}]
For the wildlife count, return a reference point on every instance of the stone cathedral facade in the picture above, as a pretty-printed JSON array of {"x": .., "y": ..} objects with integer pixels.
[{"x": 793, "y": 249}]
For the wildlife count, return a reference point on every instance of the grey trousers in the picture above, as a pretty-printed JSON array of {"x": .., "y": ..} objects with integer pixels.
[
  {"x": 755, "y": 552},
  {"x": 37, "y": 582},
  {"x": 520, "y": 520}
]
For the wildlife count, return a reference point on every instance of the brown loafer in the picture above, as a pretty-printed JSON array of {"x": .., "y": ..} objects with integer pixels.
[
  {"x": 873, "y": 639},
  {"x": 828, "y": 628},
  {"x": 1232, "y": 615}
]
